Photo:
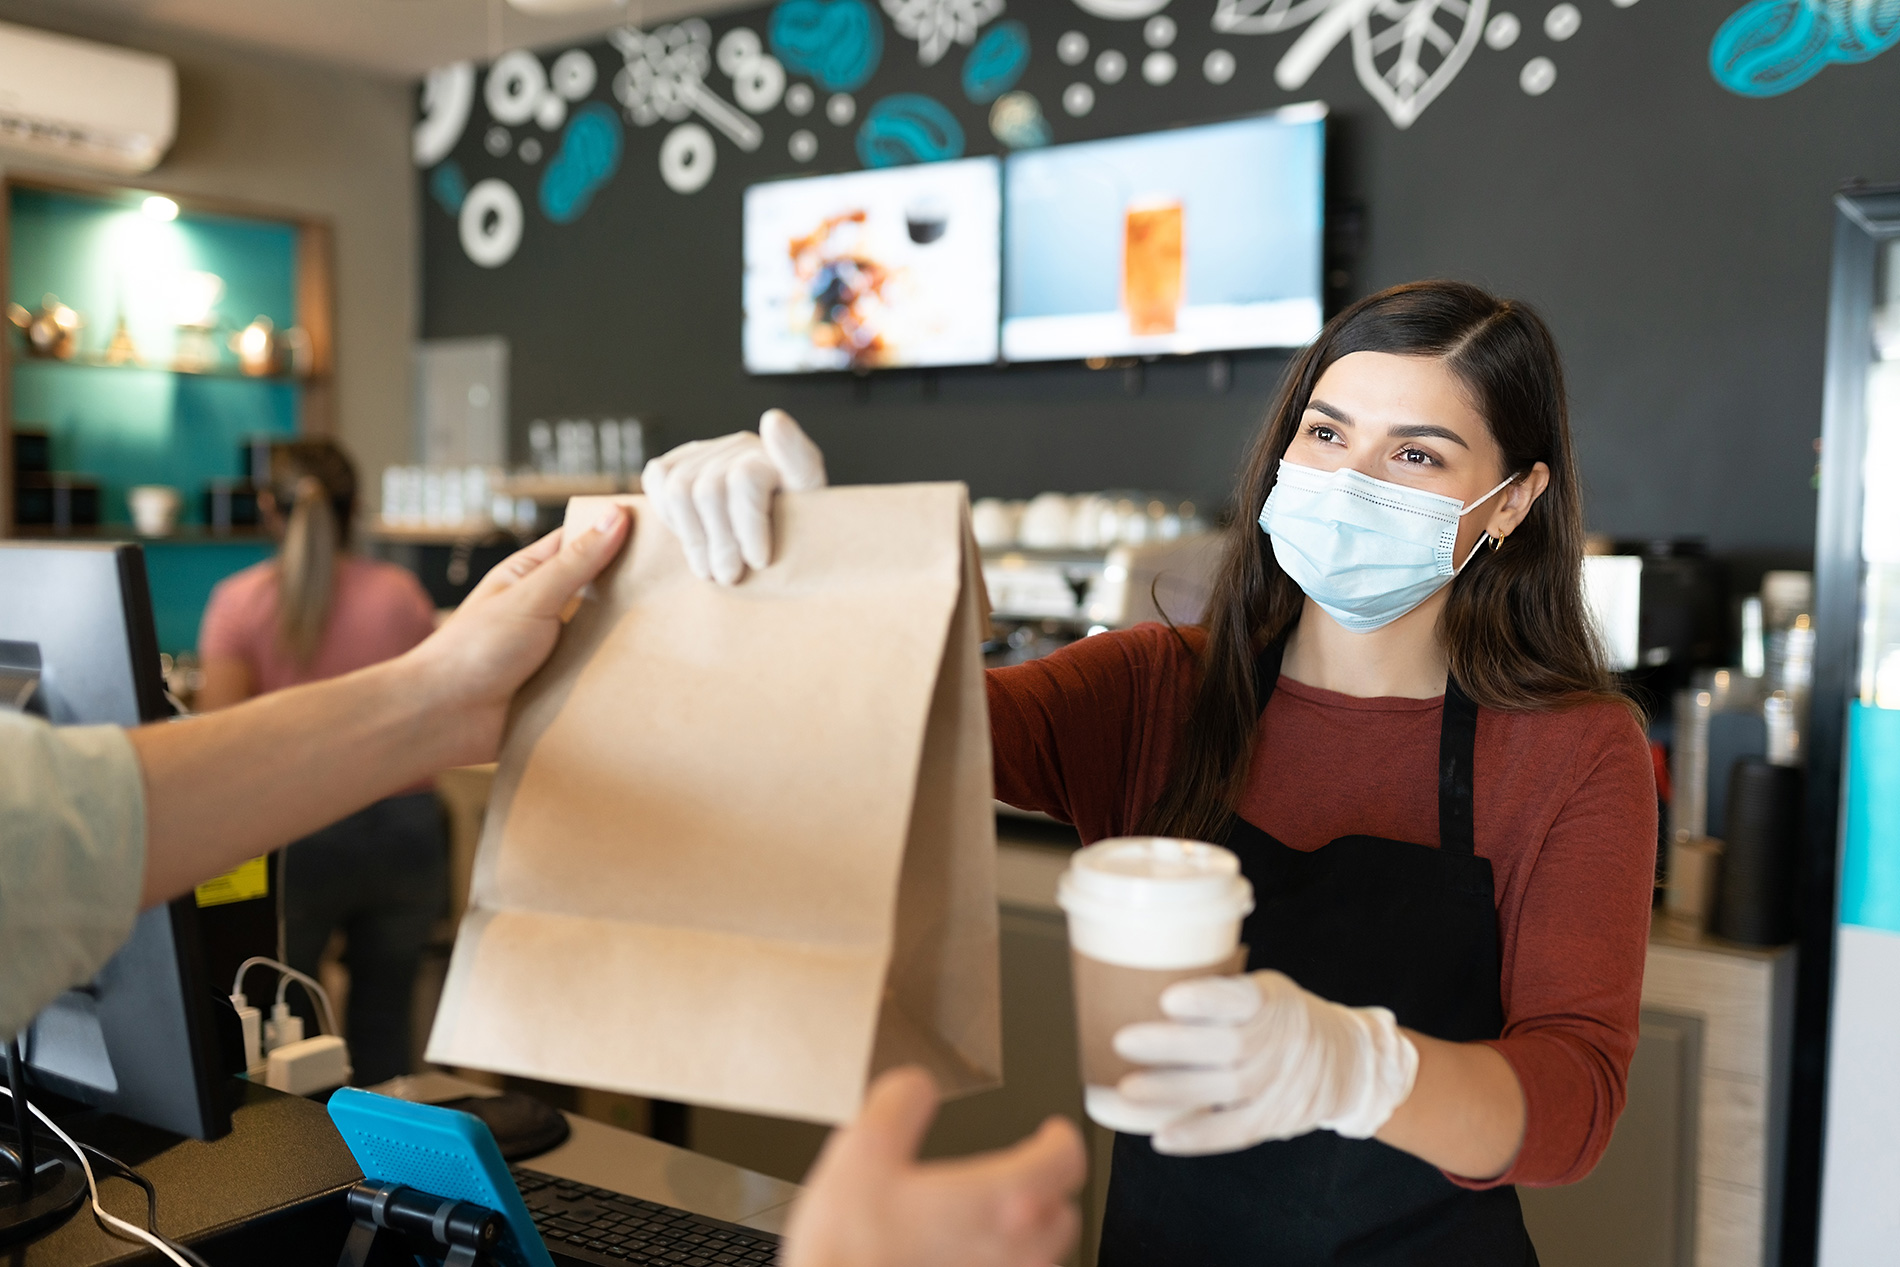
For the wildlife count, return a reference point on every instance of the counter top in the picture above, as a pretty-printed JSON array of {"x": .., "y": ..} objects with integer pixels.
[{"x": 608, "y": 1157}]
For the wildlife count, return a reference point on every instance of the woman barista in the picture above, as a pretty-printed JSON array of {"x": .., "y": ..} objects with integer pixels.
[{"x": 1398, "y": 717}]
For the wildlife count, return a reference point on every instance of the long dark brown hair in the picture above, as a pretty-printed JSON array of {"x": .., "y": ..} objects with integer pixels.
[
  {"x": 1515, "y": 628},
  {"x": 313, "y": 483}
]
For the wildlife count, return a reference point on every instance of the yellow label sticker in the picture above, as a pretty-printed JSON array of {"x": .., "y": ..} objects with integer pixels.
[{"x": 249, "y": 880}]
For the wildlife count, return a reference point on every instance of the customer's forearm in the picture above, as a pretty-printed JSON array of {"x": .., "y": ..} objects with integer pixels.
[{"x": 245, "y": 780}]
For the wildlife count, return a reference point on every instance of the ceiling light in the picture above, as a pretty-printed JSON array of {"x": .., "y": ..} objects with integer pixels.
[{"x": 160, "y": 208}]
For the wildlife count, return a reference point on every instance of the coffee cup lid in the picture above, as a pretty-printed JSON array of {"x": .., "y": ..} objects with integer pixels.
[{"x": 1157, "y": 876}]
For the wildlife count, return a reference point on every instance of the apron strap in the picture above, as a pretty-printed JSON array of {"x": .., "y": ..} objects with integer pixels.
[{"x": 1457, "y": 742}]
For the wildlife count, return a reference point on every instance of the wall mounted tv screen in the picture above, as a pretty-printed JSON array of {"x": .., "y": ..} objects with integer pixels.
[
  {"x": 1192, "y": 240},
  {"x": 892, "y": 267}
]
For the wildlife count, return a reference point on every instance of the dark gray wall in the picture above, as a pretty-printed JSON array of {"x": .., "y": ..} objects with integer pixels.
[{"x": 1675, "y": 235}]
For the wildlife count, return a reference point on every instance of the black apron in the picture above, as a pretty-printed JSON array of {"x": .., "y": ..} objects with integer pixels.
[{"x": 1362, "y": 921}]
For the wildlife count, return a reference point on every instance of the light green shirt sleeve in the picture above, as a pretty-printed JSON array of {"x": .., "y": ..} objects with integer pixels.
[{"x": 72, "y": 857}]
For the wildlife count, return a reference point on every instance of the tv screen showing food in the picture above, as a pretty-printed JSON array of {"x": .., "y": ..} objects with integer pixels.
[
  {"x": 891, "y": 267},
  {"x": 1192, "y": 240}
]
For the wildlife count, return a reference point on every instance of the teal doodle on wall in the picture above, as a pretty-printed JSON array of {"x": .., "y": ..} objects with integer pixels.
[
  {"x": 589, "y": 154},
  {"x": 836, "y": 42},
  {"x": 997, "y": 62},
  {"x": 909, "y": 128},
  {"x": 448, "y": 186},
  {"x": 1768, "y": 47}
]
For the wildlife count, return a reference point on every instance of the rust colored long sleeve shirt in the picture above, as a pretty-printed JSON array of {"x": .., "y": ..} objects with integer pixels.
[{"x": 1565, "y": 809}]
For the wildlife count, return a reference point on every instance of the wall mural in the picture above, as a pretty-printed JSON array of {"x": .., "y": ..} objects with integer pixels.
[
  {"x": 566, "y": 120},
  {"x": 1768, "y": 47}
]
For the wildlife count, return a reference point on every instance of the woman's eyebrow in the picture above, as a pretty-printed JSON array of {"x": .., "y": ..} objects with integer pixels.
[
  {"x": 1423, "y": 431},
  {"x": 1331, "y": 411}
]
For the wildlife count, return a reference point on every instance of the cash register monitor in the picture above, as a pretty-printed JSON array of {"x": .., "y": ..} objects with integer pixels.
[{"x": 78, "y": 647}]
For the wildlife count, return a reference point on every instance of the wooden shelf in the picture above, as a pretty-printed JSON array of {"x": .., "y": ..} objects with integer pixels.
[
  {"x": 191, "y": 534},
  {"x": 475, "y": 533},
  {"x": 215, "y": 371}
]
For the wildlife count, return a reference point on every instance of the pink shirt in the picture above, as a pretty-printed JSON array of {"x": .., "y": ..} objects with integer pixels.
[{"x": 378, "y": 612}]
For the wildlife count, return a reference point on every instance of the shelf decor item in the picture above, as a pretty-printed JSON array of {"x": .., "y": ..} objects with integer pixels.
[
  {"x": 51, "y": 331},
  {"x": 121, "y": 350},
  {"x": 154, "y": 509},
  {"x": 263, "y": 349}
]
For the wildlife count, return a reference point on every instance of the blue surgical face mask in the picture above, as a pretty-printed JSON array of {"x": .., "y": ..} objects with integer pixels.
[{"x": 1365, "y": 550}]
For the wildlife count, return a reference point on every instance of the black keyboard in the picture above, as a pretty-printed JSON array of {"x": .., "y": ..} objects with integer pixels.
[{"x": 595, "y": 1225}]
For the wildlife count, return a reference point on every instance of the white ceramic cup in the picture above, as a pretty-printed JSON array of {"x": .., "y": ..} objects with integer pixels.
[
  {"x": 154, "y": 509},
  {"x": 1143, "y": 912}
]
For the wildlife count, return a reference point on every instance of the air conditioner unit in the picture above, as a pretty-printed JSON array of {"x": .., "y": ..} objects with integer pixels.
[{"x": 85, "y": 104}]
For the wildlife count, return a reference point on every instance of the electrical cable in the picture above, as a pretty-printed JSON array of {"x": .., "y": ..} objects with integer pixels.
[
  {"x": 151, "y": 1200},
  {"x": 286, "y": 974},
  {"x": 112, "y": 1223}
]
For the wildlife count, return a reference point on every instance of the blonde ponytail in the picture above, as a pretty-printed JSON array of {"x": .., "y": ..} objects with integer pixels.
[{"x": 307, "y": 569}]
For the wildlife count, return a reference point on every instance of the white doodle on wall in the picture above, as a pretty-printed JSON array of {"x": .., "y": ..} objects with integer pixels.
[
  {"x": 1121, "y": 10},
  {"x": 1078, "y": 99},
  {"x": 574, "y": 74},
  {"x": 841, "y": 108},
  {"x": 1218, "y": 67},
  {"x": 1562, "y": 22},
  {"x": 799, "y": 99},
  {"x": 665, "y": 78},
  {"x": 515, "y": 87},
  {"x": 1502, "y": 31},
  {"x": 1158, "y": 67},
  {"x": 498, "y": 140},
  {"x": 1264, "y": 17},
  {"x": 1159, "y": 31},
  {"x": 803, "y": 146},
  {"x": 758, "y": 78},
  {"x": 518, "y": 89},
  {"x": 448, "y": 94},
  {"x": 687, "y": 158},
  {"x": 1404, "y": 52},
  {"x": 1071, "y": 48},
  {"x": 1538, "y": 76},
  {"x": 1110, "y": 66},
  {"x": 490, "y": 223},
  {"x": 937, "y": 24}
]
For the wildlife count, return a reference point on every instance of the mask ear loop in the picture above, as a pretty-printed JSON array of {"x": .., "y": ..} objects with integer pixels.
[{"x": 1497, "y": 543}]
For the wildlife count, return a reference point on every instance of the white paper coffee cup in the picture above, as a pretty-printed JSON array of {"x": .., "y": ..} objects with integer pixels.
[{"x": 1144, "y": 912}]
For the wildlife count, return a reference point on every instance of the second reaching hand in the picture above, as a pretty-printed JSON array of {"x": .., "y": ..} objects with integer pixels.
[{"x": 716, "y": 495}]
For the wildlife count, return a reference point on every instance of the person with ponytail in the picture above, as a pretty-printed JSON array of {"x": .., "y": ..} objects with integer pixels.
[
  {"x": 315, "y": 611},
  {"x": 1396, "y": 711}
]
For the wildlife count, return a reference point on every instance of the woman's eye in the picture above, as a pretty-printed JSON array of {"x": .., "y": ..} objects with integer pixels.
[
  {"x": 1323, "y": 433},
  {"x": 1417, "y": 457}
]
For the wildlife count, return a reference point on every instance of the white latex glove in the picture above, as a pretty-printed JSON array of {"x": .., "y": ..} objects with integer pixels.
[
  {"x": 1253, "y": 1058},
  {"x": 716, "y": 495}
]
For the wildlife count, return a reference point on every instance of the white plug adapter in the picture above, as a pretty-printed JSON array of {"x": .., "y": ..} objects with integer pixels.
[
  {"x": 282, "y": 1029},
  {"x": 253, "y": 1022},
  {"x": 309, "y": 1065}
]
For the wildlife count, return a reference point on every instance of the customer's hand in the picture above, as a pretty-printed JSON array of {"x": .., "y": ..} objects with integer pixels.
[
  {"x": 869, "y": 1202},
  {"x": 716, "y": 495},
  {"x": 503, "y": 631},
  {"x": 1253, "y": 1058}
]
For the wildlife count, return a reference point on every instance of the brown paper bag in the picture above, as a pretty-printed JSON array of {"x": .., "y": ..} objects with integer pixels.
[{"x": 741, "y": 848}]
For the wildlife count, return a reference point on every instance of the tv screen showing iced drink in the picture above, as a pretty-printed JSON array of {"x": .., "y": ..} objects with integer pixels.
[
  {"x": 892, "y": 267},
  {"x": 1192, "y": 240}
]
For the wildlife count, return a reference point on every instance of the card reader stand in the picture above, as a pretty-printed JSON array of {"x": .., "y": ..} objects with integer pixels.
[
  {"x": 37, "y": 1192},
  {"x": 456, "y": 1233}
]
